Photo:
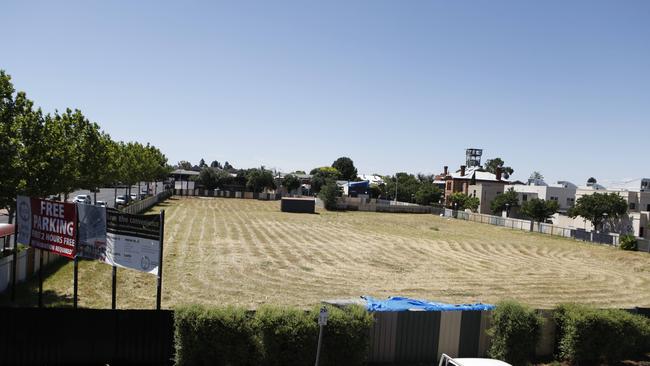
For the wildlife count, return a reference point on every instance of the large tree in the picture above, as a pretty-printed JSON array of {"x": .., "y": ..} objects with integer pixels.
[
  {"x": 427, "y": 194},
  {"x": 505, "y": 201},
  {"x": 290, "y": 182},
  {"x": 184, "y": 164},
  {"x": 259, "y": 179},
  {"x": 345, "y": 166},
  {"x": 491, "y": 166},
  {"x": 407, "y": 186},
  {"x": 599, "y": 208},
  {"x": 323, "y": 175},
  {"x": 539, "y": 210},
  {"x": 211, "y": 178}
]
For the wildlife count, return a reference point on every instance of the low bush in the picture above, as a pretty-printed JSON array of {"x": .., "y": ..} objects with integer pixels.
[
  {"x": 271, "y": 336},
  {"x": 346, "y": 336},
  {"x": 289, "y": 336},
  {"x": 515, "y": 331},
  {"x": 628, "y": 242},
  {"x": 215, "y": 336},
  {"x": 587, "y": 335},
  {"x": 329, "y": 194}
]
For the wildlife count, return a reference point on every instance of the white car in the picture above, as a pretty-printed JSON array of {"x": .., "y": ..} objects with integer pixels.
[
  {"x": 122, "y": 200},
  {"x": 100, "y": 203},
  {"x": 448, "y": 361},
  {"x": 82, "y": 198}
]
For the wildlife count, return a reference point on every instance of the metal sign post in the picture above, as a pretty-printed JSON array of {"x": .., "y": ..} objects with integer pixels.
[
  {"x": 160, "y": 259},
  {"x": 14, "y": 263},
  {"x": 114, "y": 292},
  {"x": 76, "y": 263},
  {"x": 40, "y": 278},
  {"x": 322, "y": 321}
]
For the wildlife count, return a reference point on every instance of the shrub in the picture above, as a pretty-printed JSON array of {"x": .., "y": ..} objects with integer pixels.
[
  {"x": 273, "y": 336},
  {"x": 328, "y": 194},
  {"x": 346, "y": 336},
  {"x": 515, "y": 331},
  {"x": 588, "y": 335},
  {"x": 215, "y": 336},
  {"x": 289, "y": 336},
  {"x": 628, "y": 242}
]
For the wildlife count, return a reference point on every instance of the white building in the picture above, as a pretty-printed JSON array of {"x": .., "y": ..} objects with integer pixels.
[
  {"x": 637, "y": 198},
  {"x": 564, "y": 193}
]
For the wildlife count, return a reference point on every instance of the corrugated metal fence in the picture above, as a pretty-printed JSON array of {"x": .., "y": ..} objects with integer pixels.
[
  {"x": 32, "y": 336},
  {"x": 145, "y": 204},
  {"x": 199, "y": 192},
  {"x": 526, "y": 225},
  {"x": 421, "y": 337}
]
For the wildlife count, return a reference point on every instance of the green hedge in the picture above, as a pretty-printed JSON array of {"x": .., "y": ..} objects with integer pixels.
[
  {"x": 271, "y": 336},
  {"x": 289, "y": 336},
  {"x": 515, "y": 331},
  {"x": 588, "y": 335},
  {"x": 215, "y": 336}
]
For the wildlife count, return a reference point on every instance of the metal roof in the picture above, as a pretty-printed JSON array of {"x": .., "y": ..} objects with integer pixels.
[
  {"x": 478, "y": 174},
  {"x": 184, "y": 172}
]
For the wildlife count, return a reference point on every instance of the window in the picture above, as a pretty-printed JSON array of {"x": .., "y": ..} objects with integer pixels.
[
  {"x": 641, "y": 231},
  {"x": 475, "y": 193},
  {"x": 524, "y": 197},
  {"x": 570, "y": 201},
  {"x": 647, "y": 208},
  {"x": 449, "y": 186},
  {"x": 553, "y": 198},
  {"x": 632, "y": 205}
]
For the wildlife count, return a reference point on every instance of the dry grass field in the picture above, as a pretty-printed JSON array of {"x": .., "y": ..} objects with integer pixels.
[{"x": 246, "y": 252}]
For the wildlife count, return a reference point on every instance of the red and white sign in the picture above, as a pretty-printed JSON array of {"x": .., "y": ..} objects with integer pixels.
[{"x": 48, "y": 225}]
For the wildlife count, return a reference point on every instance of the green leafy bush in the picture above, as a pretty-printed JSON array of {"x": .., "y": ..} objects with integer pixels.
[
  {"x": 289, "y": 336},
  {"x": 515, "y": 331},
  {"x": 328, "y": 194},
  {"x": 628, "y": 242},
  {"x": 215, "y": 336},
  {"x": 272, "y": 336},
  {"x": 588, "y": 335},
  {"x": 346, "y": 336}
]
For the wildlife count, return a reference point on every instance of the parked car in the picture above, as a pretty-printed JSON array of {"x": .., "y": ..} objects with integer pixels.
[
  {"x": 122, "y": 200},
  {"x": 100, "y": 203},
  {"x": 134, "y": 196},
  {"x": 82, "y": 198},
  {"x": 448, "y": 361}
]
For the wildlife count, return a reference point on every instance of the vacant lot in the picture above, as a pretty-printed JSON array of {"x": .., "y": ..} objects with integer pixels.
[{"x": 246, "y": 252}]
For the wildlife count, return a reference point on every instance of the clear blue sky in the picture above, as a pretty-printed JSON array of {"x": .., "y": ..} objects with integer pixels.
[{"x": 556, "y": 86}]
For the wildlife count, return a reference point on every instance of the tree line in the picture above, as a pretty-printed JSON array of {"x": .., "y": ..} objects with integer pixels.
[{"x": 47, "y": 154}]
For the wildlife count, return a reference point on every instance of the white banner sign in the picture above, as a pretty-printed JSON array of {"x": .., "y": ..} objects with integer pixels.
[
  {"x": 133, "y": 241},
  {"x": 120, "y": 239}
]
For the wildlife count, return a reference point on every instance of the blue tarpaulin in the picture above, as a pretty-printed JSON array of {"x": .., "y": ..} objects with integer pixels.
[{"x": 406, "y": 304}]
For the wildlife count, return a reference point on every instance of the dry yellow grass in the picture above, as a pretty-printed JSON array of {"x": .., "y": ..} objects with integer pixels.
[{"x": 246, "y": 252}]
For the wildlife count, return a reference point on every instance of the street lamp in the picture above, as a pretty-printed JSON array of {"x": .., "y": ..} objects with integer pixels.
[
  {"x": 605, "y": 220},
  {"x": 395, "y": 187}
]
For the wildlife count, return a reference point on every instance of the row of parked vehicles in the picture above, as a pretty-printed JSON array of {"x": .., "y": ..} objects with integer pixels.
[{"x": 122, "y": 200}]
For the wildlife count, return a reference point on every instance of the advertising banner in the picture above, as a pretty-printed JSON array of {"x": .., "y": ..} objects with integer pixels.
[
  {"x": 133, "y": 241},
  {"x": 47, "y": 225},
  {"x": 92, "y": 232}
]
